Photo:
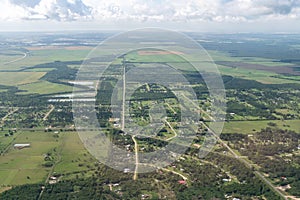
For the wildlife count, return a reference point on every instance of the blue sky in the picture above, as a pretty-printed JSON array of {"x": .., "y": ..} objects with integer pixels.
[{"x": 192, "y": 15}]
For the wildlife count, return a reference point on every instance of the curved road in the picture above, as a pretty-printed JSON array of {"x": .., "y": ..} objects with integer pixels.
[{"x": 16, "y": 60}]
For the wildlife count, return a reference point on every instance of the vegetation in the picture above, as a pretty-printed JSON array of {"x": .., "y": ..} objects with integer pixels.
[{"x": 262, "y": 123}]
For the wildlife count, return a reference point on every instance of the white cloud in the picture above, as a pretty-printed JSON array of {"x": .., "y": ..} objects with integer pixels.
[
  {"x": 59, "y": 10},
  {"x": 11, "y": 12},
  {"x": 150, "y": 10}
]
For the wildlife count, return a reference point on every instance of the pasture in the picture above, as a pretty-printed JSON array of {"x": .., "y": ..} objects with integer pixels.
[
  {"x": 250, "y": 127},
  {"x": 74, "y": 156},
  {"x": 21, "y": 166},
  {"x": 5, "y": 140},
  {"x": 40, "y": 55},
  {"x": 44, "y": 87},
  {"x": 19, "y": 78},
  {"x": 265, "y": 77}
]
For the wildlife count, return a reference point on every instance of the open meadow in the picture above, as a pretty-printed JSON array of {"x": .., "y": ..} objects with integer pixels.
[{"x": 28, "y": 165}]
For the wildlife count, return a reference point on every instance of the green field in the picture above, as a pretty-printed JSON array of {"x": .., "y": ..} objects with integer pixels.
[
  {"x": 74, "y": 156},
  {"x": 252, "y": 74},
  {"x": 42, "y": 55},
  {"x": 221, "y": 56},
  {"x": 45, "y": 87},
  {"x": 249, "y": 127},
  {"x": 5, "y": 141},
  {"x": 18, "y": 167},
  {"x": 23, "y": 166},
  {"x": 19, "y": 78}
]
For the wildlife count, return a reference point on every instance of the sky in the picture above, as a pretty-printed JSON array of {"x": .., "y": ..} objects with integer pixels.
[{"x": 183, "y": 15}]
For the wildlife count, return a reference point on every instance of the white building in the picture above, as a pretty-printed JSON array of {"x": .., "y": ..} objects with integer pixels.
[{"x": 21, "y": 146}]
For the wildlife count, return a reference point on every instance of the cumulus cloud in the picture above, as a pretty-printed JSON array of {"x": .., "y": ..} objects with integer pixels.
[
  {"x": 150, "y": 10},
  {"x": 60, "y": 10},
  {"x": 65, "y": 10}
]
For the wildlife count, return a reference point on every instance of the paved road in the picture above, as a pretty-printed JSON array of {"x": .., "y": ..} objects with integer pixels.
[
  {"x": 123, "y": 95},
  {"x": 8, "y": 114},
  {"x": 175, "y": 133},
  {"x": 247, "y": 163},
  {"x": 16, "y": 60},
  {"x": 168, "y": 170},
  {"x": 198, "y": 107},
  {"x": 242, "y": 159},
  {"x": 52, "y": 169},
  {"x": 48, "y": 113},
  {"x": 135, "y": 175}
]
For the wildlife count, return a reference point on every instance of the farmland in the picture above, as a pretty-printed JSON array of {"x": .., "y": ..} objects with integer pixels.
[
  {"x": 262, "y": 96},
  {"x": 24, "y": 166},
  {"x": 251, "y": 127},
  {"x": 44, "y": 87},
  {"x": 19, "y": 78}
]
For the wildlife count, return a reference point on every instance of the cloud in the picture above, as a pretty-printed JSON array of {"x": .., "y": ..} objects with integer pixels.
[
  {"x": 150, "y": 10},
  {"x": 59, "y": 10},
  {"x": 196, "y": 10},
  {"x": 11, "y": 12}
]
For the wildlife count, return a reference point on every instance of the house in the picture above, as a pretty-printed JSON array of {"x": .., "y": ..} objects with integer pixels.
[
  {"x": 182, "y": 182},
  {"x": 114, "y": 120},
  {"x": 145, "y": 196},
  {"x": 53, "y": 178},
  {"x": 21, "y": 146},
  {"x": 126, "y": 170},
  {"x": 226, "y": 180},
  {"x": 52, "y": 181}
]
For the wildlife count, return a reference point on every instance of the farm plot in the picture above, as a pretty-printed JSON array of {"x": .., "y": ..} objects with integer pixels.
[
  {"x": 44, "y": 87},
  {"x": 26, "y": 118},
  {"x": 249, "y": 127},
  {"x": 74, "y": 157},
  {"x": 22, "y": 166},
  {"x": 19, "y": 78}
]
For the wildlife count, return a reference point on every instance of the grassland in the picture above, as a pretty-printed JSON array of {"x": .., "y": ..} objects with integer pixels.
[
  {"x": 222, "y": 56},
  {"x": 266, "y": 76},
  {"x": 5, "y": 141},
  {"x": 45, "y": 87},
  {"x": 74, "y": 156},
  {"x": 250, "y": 127},
  {"x": 252, "y": 74},
  {"x": 19, "y": 78},
  {"x": 23, "y": 166},
  {"x": 42, "y": 55}
]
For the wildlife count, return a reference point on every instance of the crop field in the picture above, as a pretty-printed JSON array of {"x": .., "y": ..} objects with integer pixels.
[
  {"x": 9, "y": 57},
  {"x": 74, "y": 156},
  {"x": 44, "y": 87},
  {"x": 257, "y": 66},
  {"x": 147, "y": 56},
  {"x": 5, "y": 141},
  {"x": 263, "y": 70},
  {"x": 49, "y": 71},
  {"x": 19, "y": 78},
  {"x": 250, "y": 127},
  {"x": 41, "y": 55},
  {"x": 253, "y": 74},
  {"x": 23, "y": 166},
  {"x": 219, "y": 56}
]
